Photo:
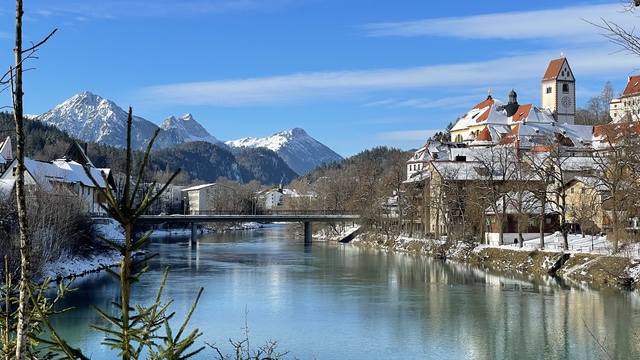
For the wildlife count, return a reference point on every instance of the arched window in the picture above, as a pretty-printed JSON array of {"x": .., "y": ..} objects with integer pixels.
[
  {"x": 458, "y": 138},
  {"x": 565, "y": 88}
]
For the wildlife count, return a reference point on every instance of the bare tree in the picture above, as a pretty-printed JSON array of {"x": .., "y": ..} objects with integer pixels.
[
  {"x": 553, "y": 164},
  {"x": 597, "y": 111},
  {"x": 14, "y": 79},
  {"x": 585, "y": 206},
  {"x": 498, "y": 167},
  {"x": 617, "y": 167}
]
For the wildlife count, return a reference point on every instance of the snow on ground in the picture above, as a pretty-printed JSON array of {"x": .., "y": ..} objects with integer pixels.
[
  {"x": 75, "y": 266},
  {"x": 109, "y": 229},
  {"x": 343, "y": 231},
  {"x": 579, "y": 244}
]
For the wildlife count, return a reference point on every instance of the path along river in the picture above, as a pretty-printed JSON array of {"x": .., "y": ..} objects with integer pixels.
[{"x": 338, "y": 301}]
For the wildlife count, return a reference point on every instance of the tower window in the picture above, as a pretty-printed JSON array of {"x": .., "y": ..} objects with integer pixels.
[
  {"x": 549, "y": 90},
  {"x": 565, "y": 88}
]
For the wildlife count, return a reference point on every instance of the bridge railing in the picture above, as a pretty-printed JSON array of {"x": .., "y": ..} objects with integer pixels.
[{"x": 271, "y": 212}]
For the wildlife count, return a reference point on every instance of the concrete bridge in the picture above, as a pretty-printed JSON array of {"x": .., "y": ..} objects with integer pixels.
[{"x": 306, "y": 217}]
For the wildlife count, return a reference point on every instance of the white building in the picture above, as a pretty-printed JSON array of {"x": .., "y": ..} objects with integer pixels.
[
  {"x": 627, "y": 106},
  {"x": 62, "y": 177},
  {"x": 272, "y": 198}
]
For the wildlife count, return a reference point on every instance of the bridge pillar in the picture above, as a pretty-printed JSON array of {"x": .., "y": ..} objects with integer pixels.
[
  {"x": 194, "y": 233},
  {"x": 308, "y": 231}
]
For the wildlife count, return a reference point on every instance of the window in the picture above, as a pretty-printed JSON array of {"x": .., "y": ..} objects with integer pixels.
[
  {"x": 458, "y": 138},
  {"x": 565, "y": 88},
  {"x": 549, "y": 90}
]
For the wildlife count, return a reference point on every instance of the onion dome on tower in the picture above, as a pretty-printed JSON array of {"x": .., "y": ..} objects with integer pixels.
[{"x": 512, "y": 106}]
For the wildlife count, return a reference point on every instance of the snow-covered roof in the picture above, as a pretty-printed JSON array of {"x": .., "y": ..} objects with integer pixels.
[
  {"x": 6, "y": 151},
  {"x": 418, "y": 177},
  {"x": 490, "y": 111},
  {"x": 6, "y": 186},
  {"x": 590, "y": 181},
  {"x": 74, "y": 172},
  {"x": 58, "y": 171},
  {"x": 531, "y": 135},
  {"x": 462, "y": 171},
  {"x": 490, "y": 135},
  {"x": 578, "y": 163},
  {"x": 199, "y": 187},
  {"x": 611, "y": 134}
]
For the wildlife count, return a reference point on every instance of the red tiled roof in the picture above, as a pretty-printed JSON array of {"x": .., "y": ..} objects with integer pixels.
[
  {"x": 613, "y": 133},
  {"x": 633, "y": 86},
  {"x": 521, "y": 113},
  {"x": 554, "y": 69},
  {"x": 511, "y": 137},
  {"x": 484, "y": 135},
  {"x": 484, "y": 115},
  {"x": 544, "y": 147}
]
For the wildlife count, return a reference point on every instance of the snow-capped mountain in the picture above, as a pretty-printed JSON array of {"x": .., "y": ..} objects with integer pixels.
[
  {"x": 90, "y": 117},
  {"x": 187, "y": 128},
  {"x": 299, "y": 150}
]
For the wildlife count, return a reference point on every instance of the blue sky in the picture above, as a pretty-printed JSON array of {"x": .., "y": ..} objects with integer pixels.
[{"x": 354, "y": 74}]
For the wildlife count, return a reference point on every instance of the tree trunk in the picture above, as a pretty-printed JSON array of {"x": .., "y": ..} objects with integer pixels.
[
  {"x": 25, "y": 244},
  {"x": 615, "y": 241},
  {"x": 542, "y": 229}
]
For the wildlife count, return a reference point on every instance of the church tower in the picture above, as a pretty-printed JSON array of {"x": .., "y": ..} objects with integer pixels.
[{"x": 559, "y": 91}]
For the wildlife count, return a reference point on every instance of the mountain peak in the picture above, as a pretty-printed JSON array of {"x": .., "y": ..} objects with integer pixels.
[
  {"x": 298, "y": 131},
  {"x": 298, "y": 149},
  {"x": 187, "y": 128},
  {"x": 92, "y": 118}
]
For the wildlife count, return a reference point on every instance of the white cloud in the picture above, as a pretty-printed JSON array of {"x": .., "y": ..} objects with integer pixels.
[
  {"x": 341, "y": 85},
  {"x": 564, "y": 24},
  {"x": 384, "y": 102}
]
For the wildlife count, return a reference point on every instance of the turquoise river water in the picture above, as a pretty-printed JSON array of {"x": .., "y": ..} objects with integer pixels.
[{"x": 338, "y": 301}]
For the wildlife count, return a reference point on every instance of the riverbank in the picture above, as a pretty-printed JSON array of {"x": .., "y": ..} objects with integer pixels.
[
  {"x": 102, "y": 257},
  {"x": 588, "y": 259}
]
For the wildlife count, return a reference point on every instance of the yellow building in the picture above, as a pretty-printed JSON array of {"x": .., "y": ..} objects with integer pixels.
[{"x": 584, "y": 202}]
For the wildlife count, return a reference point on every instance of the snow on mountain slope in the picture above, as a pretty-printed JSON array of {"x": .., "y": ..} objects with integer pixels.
[
  {"x": 92, "y": 118},
  {"x": 89, "y": 117},
  {"x": 299, "y": 150},
  {"x": 187, "y": 128}
]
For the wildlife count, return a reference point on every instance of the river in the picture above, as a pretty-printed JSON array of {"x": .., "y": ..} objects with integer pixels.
[{"x": 338, "y": 301}]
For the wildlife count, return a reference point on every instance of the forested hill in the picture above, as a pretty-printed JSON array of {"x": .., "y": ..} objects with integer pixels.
[
  {"x": 199, "y": 160},
  {"x": 379, "y": 161},
  {"x": 207, "y": 162}
]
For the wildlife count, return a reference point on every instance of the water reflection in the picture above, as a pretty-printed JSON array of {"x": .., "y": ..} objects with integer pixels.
[{"x": 330, "y": 301}]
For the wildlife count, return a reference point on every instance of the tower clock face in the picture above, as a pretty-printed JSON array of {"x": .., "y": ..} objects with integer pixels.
[{"x": 565, "y": 101}]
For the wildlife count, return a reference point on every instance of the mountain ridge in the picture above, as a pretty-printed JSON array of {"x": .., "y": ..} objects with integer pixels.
[{"x": 92, "y": 118}]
